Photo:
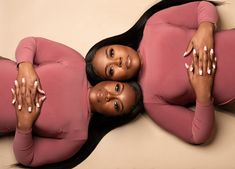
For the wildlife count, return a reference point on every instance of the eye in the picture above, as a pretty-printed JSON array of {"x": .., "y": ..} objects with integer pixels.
[
  {"x": 116, "y": 106},
  {"x": 117, "y": 87},
  {"x": 111, "y": 53},
  {"x": 111, "y": 71}
]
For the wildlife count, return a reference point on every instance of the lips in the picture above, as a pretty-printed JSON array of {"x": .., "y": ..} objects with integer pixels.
[{"x": 128, "y": 62}]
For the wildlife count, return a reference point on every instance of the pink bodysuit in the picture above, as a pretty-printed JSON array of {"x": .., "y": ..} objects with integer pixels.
[
  {"x": 62, "y": 126},
  {"x": 163, "y": 77}
]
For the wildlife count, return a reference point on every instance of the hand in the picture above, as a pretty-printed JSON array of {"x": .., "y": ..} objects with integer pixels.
[
  {"x": 27, "y": 75},
  {"x": 202, "y": 40},
  {"x": 26, "y": 116},
  {"x": 202, "y": 79}
]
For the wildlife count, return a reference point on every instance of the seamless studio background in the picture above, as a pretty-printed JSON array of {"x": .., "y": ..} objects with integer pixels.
[{"x": 140, "y": 144}]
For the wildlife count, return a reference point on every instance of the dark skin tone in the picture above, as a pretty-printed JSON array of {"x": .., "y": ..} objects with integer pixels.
[
  {"x": 109, "y": 97},
  {"x": 201, "y": 79}
]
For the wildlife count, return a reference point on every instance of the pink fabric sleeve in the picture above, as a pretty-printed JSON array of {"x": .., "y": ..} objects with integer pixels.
[
  {"x": 39, "y": 50},
  {"x": 188, "y": 15},
  {"x": 34, "y": 151},
  {"x": 193, "y": 127}
]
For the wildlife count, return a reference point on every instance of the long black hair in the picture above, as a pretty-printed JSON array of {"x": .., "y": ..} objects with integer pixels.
[
  {"x": 130, "y": 38},
  {"x": 99, "y": 126}
]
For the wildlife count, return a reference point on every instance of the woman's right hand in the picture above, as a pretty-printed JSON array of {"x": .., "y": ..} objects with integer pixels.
[
  {"x": 26, "y": 78},
  {"x": 202, "y": 80}
]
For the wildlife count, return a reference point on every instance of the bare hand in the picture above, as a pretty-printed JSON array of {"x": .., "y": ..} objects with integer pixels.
[
  {"x": 202, "y": 79},
  {"x": 26, "y": 116},
  {"x": 27, "y": 78},
  {"x": 202, "y": 40}
]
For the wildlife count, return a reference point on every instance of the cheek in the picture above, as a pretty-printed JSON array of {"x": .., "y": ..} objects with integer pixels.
[{"x": 106, "y": 109}]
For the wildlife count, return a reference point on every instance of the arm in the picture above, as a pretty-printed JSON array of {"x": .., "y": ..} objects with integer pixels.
[
  {"x": 35, "y": 151},
  {"x": 39, "y": 50},
  {"x": 189, "y": 15},
  {"x": 193, "y": 127}
]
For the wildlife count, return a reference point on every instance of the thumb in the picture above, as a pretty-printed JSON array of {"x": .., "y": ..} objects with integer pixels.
[{"x": 189, "y": 49}]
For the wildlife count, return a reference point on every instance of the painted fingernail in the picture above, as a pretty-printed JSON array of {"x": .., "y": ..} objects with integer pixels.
[
  {"x": 29, "y": 109},
  {"x": 41, "y": 91},
  {"x": 211, "y": 52},
  {"x": 13, "y": 101},
  {"x": 23, "y": 80},
  {"x": 37, "y": 105},
  {"x": 194, "y": 52},
  {"x": 186, "y": 65},
  {"x": 209, "y": 71},
  {"x": 200, "y": 72},
  {"x": 43, "y": 98},
  {"x": 213, "y": 65},
  {"x": 185, "y": 53},
  {"x": 13, "y": 91},
  {"x": 205, "y": 48},
  {"x": 19, "y": 107},
  {"x": 16, "y": 83},
  {"x": 215, "y": 59},
  {"x": 36, "y": 83},
  {"x": 191, "y": 68}
]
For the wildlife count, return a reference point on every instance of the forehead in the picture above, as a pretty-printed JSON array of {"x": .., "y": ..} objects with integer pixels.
[{"x": 128, "y": 97}]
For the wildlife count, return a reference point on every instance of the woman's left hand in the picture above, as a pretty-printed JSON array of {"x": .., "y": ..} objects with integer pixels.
[{"x": 202, "y": 40}]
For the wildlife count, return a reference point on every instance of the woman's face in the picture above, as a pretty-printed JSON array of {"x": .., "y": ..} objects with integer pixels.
[
  {"x": 112, "y": 98},
  {"x": 116, "y": 62}
]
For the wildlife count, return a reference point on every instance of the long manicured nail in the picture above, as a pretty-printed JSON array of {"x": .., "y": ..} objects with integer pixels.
[
  {"x": 13, "y": 101},
  {"x": 215, "y": 59},
  {"x": 191, "y": 68},
  {"x": 19, "y": 107},
  {"x": 186, "y": 65},
  {"x": 213, "y": 65},
  {"x": 37, "y": 105},
  {"x": 13, "y": 91},
  {"x": 43, "y": 98},
  {"x": 29, "y": 109},
  {"x": 23, "y": 80},
  {"x": 41, "y": 91},
  {"x": 205, "y": 48},
  {"x": 209, "y": 71},
  {"x": 16, "y": 83},
  {"x": 194, "y": 52},
  {"x": 200, "y": 72},
  {"x": 36, "y": 83},
  {"x": 185, "y": 53},
  {"x": 211, "y": 52}
]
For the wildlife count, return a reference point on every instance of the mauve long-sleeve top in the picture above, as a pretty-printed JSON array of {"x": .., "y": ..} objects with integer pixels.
[
  {"x": 62, "y": 126},
  {"x": 163, "y": 77}
]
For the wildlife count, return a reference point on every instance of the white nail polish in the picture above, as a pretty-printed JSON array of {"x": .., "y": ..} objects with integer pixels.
[
  {"x": 19, "y": 107},
  {"x": 211, "y": 52},
  {"x": 16, "y": 83},
  {"x": 191, "y": 68},
  {"x": 13, "y": 101},
  {"x": 23, "y": 80},
  {"x": 215, "y": 59},
  {"x": 37, "y": 105},
  {"x": 185, "y": 53},
  {"x": 194, "y": 52},
  {"x": 29, "y": 109},
  {"x": 40, "y": 90},
  {"x": 12, "y": 90},
  {"x": 208, "y": 71},
  {"x": 213, "y": 65},
  {"x": 205, "y": 48},
  {"x": 186, "y": 65},
  {"x": 35, "y": 83},
  {"x": 200, "y": 72}
]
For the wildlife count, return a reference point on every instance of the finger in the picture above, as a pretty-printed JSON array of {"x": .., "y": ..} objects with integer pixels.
[
  {"x": 205, "y": 61},
  {"x": 200, "y": 62},
  {"x": 214, "y": 65},
  {"x": 195, "y": 61},
  {"x": 209, "y": 64},
  {"x": 18, "y": 95},
  {"x": 13, "y": 96},
  {"x": 39, "y": 88},
  {"x": 28, "y": 100},
  {"x": 40, "y": 101},
  {"x": 189, "y": 49},
  {"x": 34, "y": 90}
]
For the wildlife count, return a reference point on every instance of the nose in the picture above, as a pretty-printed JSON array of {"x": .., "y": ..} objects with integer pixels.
[
  {"x": 109, "y": 97},
  {"x": 118, "y": 61}
]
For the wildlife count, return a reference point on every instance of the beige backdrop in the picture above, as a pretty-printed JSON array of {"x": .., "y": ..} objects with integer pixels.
[{"x": 140, "y": 144}]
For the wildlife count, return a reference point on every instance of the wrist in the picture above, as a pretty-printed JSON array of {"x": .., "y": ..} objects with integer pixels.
[
  {"x": 24, "y": 64},
  {"x": 209, "y": 26}
]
